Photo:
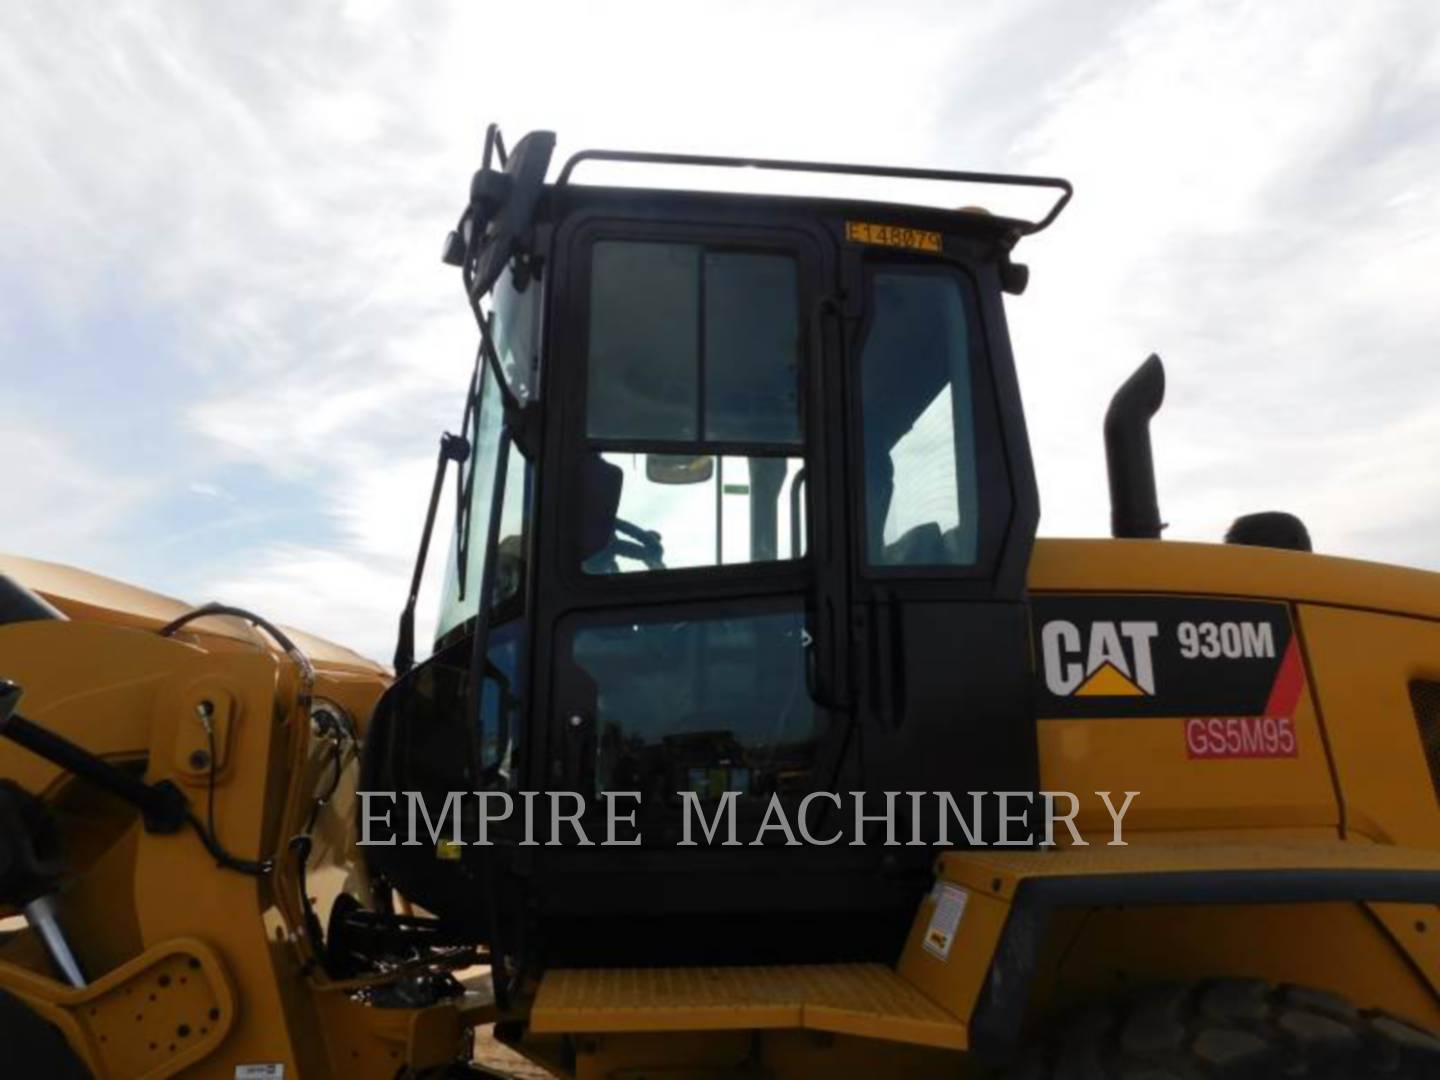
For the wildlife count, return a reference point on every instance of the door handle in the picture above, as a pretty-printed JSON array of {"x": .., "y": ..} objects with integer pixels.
[
  {"x": 824, "y": 680},
  {"x": 883, "y": 647}
]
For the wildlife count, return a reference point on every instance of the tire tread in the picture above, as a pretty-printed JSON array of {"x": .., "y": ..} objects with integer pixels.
[{"x": 1233, "y": 1029}]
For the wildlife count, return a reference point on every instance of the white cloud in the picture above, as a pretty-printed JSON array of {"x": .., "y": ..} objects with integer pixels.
[
  {"x": 74, "y": 508},
  {"x": 324, "y": 592},
  {"x": 208, "y": 490},
  {"x": 1237, "y": 168},
  {"x": 353, "y": 591},
  {"x": 1253, "y": 202}
]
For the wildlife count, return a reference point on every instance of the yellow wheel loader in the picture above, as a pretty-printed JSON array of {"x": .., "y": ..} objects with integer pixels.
[{"x": 760, "y": 737}]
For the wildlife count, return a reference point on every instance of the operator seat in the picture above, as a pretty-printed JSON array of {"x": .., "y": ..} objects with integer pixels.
[{"x": 600, "y": 484}]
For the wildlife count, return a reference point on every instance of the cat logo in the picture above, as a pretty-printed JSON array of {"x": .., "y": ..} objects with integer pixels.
[{"x": 1109, "y": 659}]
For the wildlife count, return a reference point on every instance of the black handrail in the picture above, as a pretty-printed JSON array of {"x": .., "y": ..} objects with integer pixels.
[
  {"x": 162, "y": 805},
  {"x": 1005, "y": 179}
]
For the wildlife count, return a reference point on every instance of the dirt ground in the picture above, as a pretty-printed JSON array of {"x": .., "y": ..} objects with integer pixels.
[
  {"x": 495, "y": 1055},
  {"x": 488, "y": 1051}
]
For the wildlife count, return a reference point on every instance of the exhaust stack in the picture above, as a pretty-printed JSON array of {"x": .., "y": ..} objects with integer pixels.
[{"x": 1134, "y": 507}]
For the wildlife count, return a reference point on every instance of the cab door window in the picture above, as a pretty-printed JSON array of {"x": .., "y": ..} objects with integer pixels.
[
  {"x": 690, "y": 457},
  {"x": 693, "y": 445},
  {"x": 708, "y": 703}
]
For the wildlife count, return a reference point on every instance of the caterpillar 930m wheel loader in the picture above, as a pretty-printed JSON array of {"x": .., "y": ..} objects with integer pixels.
[{"x": 760, "y": 736}]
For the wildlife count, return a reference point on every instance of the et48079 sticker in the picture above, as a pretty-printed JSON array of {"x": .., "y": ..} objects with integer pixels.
[{"x": 1231, "y": 670}]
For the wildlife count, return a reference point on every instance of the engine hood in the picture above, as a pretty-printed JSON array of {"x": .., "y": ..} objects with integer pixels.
[
  {"x": 88, "y": 597},
  {"x": 1173, "y": 566}
]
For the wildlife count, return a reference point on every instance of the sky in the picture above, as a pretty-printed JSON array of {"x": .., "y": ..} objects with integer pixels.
[{"x": 228, "y": 345}]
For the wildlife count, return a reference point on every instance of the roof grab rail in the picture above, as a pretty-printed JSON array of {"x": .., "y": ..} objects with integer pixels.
[{"x": 1027, "y": 228}]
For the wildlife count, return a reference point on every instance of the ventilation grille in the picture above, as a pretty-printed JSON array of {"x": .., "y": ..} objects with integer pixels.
[{"x": 1425, "y": 700}]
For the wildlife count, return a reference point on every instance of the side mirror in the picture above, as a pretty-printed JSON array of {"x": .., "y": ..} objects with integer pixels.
[{"x": 678, "y": 469}]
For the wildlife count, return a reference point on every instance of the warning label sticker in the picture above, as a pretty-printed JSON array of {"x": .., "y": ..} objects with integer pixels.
[{"x": 950, "y": 901}]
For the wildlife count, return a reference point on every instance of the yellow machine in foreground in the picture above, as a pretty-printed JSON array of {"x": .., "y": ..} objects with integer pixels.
[{"x": 760, "y": 736}]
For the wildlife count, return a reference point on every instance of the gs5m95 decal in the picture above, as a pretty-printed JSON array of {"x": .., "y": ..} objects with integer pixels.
[{"x": 1230, "y": 669}]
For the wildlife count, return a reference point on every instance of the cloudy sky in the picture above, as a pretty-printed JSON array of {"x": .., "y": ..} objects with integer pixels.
[{"x": 228, "y": 345}]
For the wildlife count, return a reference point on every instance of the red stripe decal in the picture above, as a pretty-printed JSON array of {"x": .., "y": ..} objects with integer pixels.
[
  {"x": 1271, "y": 735},
  {"x": 1289, "y": 682}
]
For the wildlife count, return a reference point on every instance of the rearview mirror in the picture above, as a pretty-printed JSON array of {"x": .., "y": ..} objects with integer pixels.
[{"x": 678, "y": 469}]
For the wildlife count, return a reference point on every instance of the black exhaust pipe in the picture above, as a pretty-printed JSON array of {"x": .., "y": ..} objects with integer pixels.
[{"x": 1134, "y": 507}]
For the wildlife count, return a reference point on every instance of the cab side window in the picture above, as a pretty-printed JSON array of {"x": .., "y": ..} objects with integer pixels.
[{"x": 922, "y": 503}]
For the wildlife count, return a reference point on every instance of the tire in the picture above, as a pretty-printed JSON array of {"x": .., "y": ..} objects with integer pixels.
[{"x": 1233, "y": 1029}]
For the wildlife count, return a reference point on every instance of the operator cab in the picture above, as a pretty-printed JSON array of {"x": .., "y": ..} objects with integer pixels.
[{"x": 745, "y": 508}]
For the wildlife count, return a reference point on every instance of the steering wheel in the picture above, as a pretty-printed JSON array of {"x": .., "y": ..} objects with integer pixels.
[{"x": 642, "y": 545}]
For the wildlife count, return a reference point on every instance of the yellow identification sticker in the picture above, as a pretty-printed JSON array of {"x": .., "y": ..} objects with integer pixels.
[
  {"x": 448, "y": 850},
  {"x": 867, "y": 232}
]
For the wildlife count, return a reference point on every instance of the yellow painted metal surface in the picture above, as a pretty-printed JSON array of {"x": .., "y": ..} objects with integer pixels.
[
  {"x": 1415, "y": 928},
  {"x": 129, "y": 701},
  {"x": 1178, "y": 792},
  {"x": 857, "y": 999},
  {"x": 1170, "y": 566},
  {"x": 111, "y": 683},
  {"x": 1362, "y": 664},
  {"x": 779, "y": 1054},
  {"x": 999, "y": 871},
  {"x": 136, "y": 901},
  {"x": 1100, "y": 951},
  {"x": 93, "y": 598},
  {"x": 149, "y": 1018},
  {"x": 955, "y": 981}
]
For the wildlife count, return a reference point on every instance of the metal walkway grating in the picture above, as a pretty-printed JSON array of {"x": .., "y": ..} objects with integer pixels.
[{"x": 868, "y": 1000}]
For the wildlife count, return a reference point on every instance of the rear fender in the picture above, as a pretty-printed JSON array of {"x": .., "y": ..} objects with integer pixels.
[{"x": 1004, "y": 934}]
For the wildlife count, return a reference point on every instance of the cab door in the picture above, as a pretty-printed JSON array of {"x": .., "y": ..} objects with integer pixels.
[
  {"x": 685, "y": 544},
  {"x": 943, "y": 510}
]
